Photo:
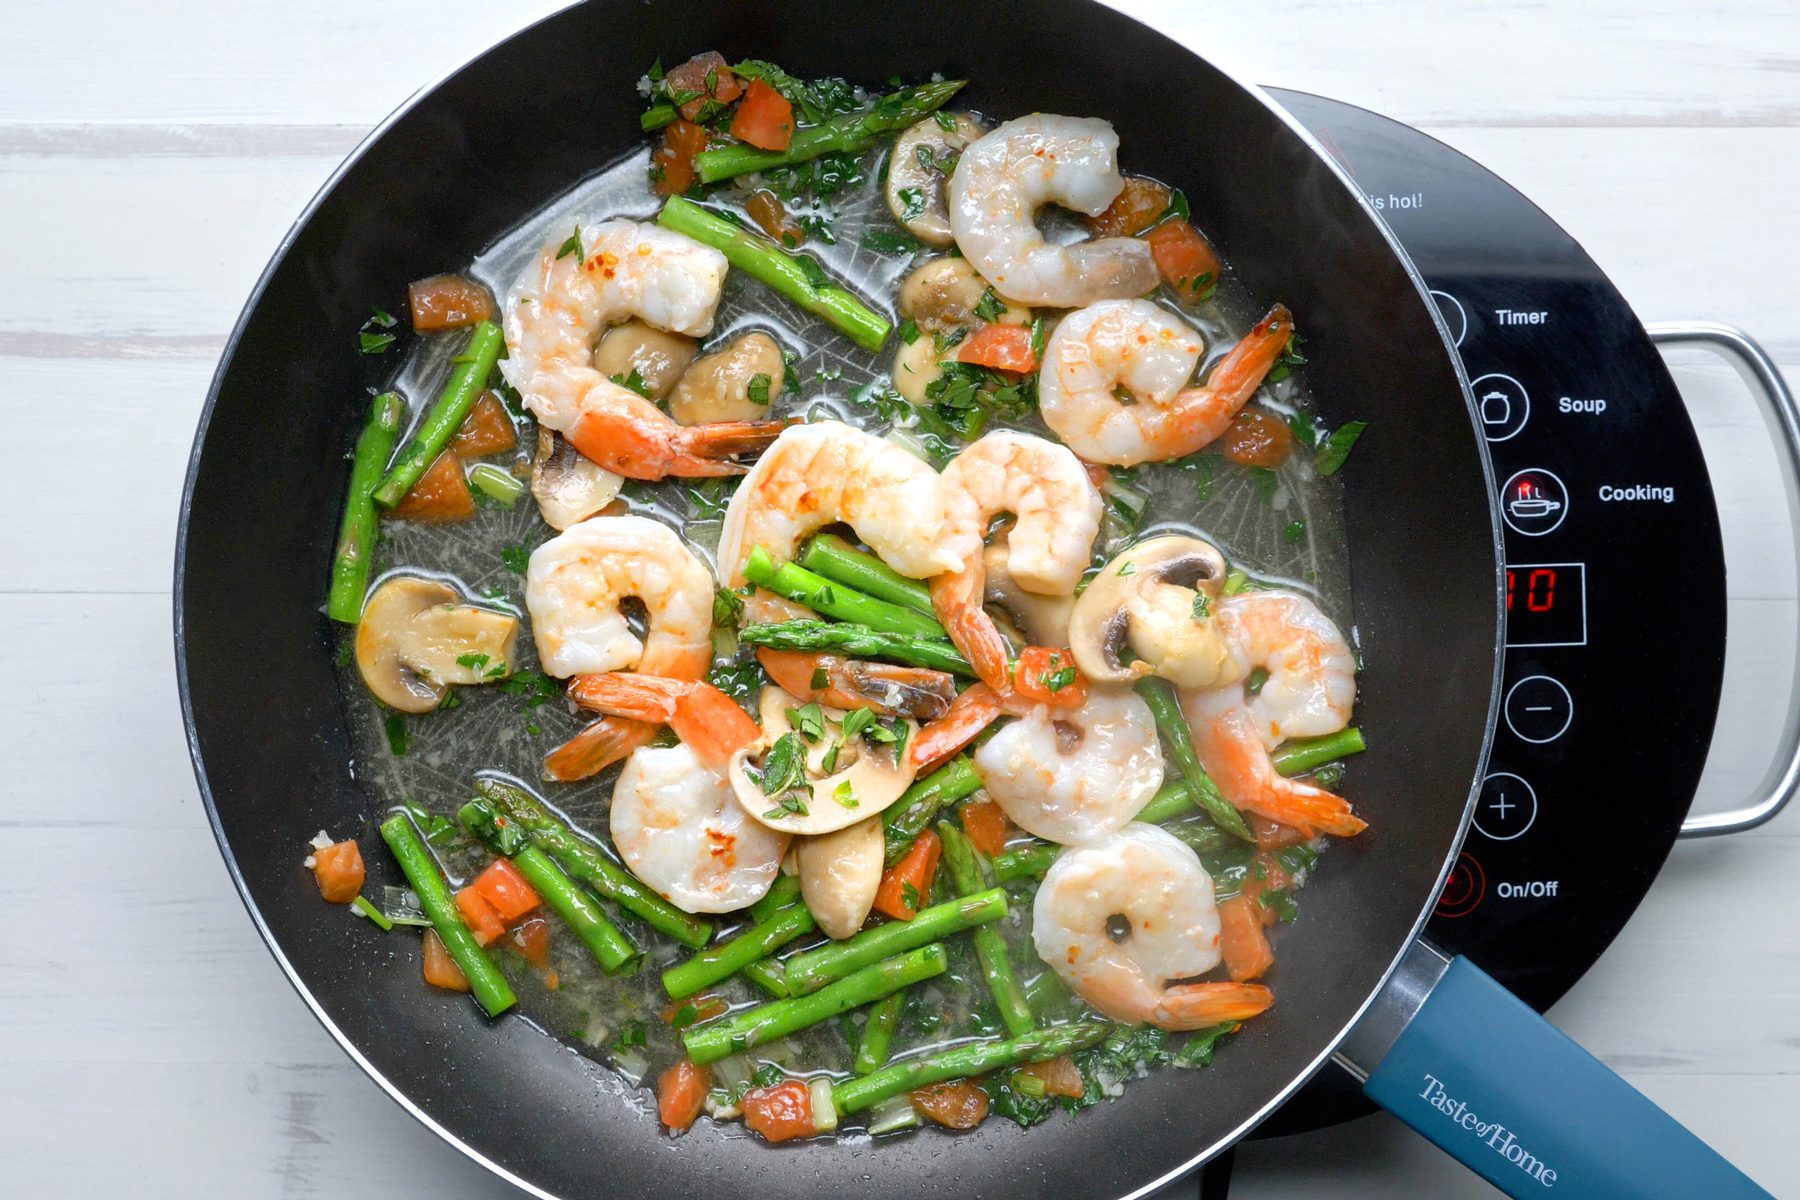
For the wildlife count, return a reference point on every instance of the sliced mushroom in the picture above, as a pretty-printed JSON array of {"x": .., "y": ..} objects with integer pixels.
[
  {"x": 920, "y": 165},
  {"x": 839, "y": 875},
  {"x": 863, "y": 779},
  {"x": 570, "y": 487},
  {"x": 917, "y": 364},
  {"x": 1044, "y": 620},
  {"x": 726, "y": 385},
  {"x": 944, "y": 294},
  {"x": 659, "y": 358},
  {"x": 416, "y": 639},
  {"x": 1148, "y": 598}
]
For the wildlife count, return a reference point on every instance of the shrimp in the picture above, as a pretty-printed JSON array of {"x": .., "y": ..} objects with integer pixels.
[
  {"x": 701, "y": 715},
  {"x": 1118, "y": 919},
  {"x": 679, "y": 829},
  {"x": 1075, "y": 776},
  {"x": 1310, "y": 688},
  {"x": 563, "y": 302},
  {"x": 1006, "y": 176},
  {"x": 1057, "y": 511},
  {"x": 574, "y": 584},
  {"x": 1151, "y": 353}
]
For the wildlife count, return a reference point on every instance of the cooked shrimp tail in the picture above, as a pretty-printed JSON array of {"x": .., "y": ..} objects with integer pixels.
[
  {"x": 595, "y": 748},
  {"x": 957, "y": 598},
  {"x": 971, "y": 712},
  {"x": 1201, "y": 1005},
  {"x": 702, "y": 716},
  {"x": 630, "y": 436},
  {"x": 850, "y": 683},
  {"x": 1206, "y": 412}
]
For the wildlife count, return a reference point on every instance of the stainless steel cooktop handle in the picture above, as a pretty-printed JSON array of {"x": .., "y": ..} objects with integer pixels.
[{"x": 1771, "y": 391}]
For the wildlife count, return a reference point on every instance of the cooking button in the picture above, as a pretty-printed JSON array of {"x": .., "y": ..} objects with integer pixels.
[
  {"x": 1538, "y": 709},
  {"x": 1503, "y": 404},
  {"x": 1533, "y": 502},
  {"x": 1464, "y": 889},
  {"x": 1507, "y": 806}
]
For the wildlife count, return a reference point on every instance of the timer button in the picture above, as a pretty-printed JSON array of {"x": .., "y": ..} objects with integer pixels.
[
  {"x": 1464, "y": 889},
  {"x": 1455, "y": 318},
  {"x": 1504, "y": 406},
  {"x": 1538, "y": 709},
  {"x": 1507, "y": 806}
]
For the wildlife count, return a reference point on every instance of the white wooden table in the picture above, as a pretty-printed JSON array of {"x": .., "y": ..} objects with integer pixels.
[{"x": 151, "y": 155}]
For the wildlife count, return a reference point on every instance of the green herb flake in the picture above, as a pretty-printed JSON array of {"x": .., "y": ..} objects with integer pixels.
[
  {"x": 784, "y": 766},
  {"x": 397, "y": 736},
  {"x": 856, "y": 721},
  {"x": 1198, "y": 1049},
  {"x": 909, "y": 896},
  {"x": 1127, "y": 568},
  {"x": 1056, "y": 681},
  {"x": 912, "y": 203},
  {"x": 909, "y": 331},
  {"x": 1254, "y": 684},
  {"x": 1331, "y": 456},
  {"x": 635, "y": 382},
  {"x": 1202, "y": 606},
  {"x": 1293, "y": 531},
  {"x": 990, "y": 307},
  {"x": 474, "y": 662},
  {"x": 758, "y": 388},
  {"x": 1304, "y": 428},
  {"x": 944, "y": 120},
  {"x": 886, "y": 241},
  {"x": 1267, "y": 483},
  {"x": 820, "y": 679},
  {"x": 845, "y": 795},
  {"x": 373, "y": 343},
  {"x": 515, "y": 558},
  {"x": 809, "y": 719},
  {"x": 1280, "y": 901},
  {"x": 571, "y": 246},
  {"x": 632, "y": 1034}
]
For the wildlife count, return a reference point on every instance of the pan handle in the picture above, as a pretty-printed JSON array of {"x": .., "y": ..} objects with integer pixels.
[
  {"x": 1500, "y": 1089},
  {"x": 1783, "y": 415}
]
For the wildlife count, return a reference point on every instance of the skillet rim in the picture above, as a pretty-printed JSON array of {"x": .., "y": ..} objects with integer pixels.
[{"x": 178, "y": 596}]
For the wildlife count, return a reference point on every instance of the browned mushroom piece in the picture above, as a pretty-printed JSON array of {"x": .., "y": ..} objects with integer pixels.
[
  {"x": 569, "y": 486},
  {"x": 659, "y": 358},
  {"x": 737, "y": 383},
  {"x": 944, "y": 293},
  {"x": 417, "y": 639},
  {"x": 1042, "y": 620},
  {"x": 839, "y": 875},
  {"x": 861, "y": 781},
  {"x": 1157, "y": 599},
  {"x": 918, "y": 168}
]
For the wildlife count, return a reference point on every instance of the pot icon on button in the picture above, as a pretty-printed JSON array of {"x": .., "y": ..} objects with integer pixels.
[
  {"x": 1503, "y": 406},
  {"x": 1533, "y": 502}
]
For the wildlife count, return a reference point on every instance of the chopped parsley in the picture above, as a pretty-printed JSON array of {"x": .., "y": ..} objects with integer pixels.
[
  {"x": 1056, "y": 681},
  {"x": 857, "y": 720},
  {"x": 1267, "y": 483},
  {"x": 535, "y": 686},
  {"x": 1202, "y": 606},
  {"x": 912, "y": 203},
  {"x": 368, "y": 340},
  {"x": 990, "y": 307},
  {"x": 635, "y": 382},
  {"x": 844, "y": 794},
  {"x": 397, "y": 736},
  {"x": 1304, "y": 428},
  {"x": 909, "y": 896},
  {"x": 1290, "y": 358},
  {"x": 728, "y": 606},
  {"x": 909, "y": 331},
  {"x": 758, "y": 388},
  {"x": 571, "y": 246},
  {"x": 783, "y": 768},
  {"x": 1336, "y": 449},
  {"x": 1127, "y": 568},
  {"x": 515, "y": 558},
  {"x": 1293, "y": 531},
  {"x": 809, "y": 720},
  {"x": 472, "y": 661},
  {"x": 884, "y": 241},
  {"x": 944, "y": 120},
  {"x": 1254, "y": 684},
  {"x": 632, "y": 1034}
]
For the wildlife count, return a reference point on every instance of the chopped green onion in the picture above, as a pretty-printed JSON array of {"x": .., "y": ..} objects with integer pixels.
[{"x": 498, "y": 485}]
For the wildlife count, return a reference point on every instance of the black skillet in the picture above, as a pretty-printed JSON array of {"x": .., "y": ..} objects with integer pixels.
[{"x": 473, "y": 156}]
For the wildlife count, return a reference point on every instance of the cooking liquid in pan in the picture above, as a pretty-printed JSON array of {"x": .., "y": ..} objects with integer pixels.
[{"x": 1292, "y": 537}]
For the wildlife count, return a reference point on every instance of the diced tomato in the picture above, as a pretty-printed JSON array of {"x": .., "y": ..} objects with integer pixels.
[
  {"x": 1047, "y": 675},
  {"x": 1241, "y": 940},
  {"x": 706, "y": 74},
  {"x": 1273, "y": 835},
  {"x": 486, "y": 430},
  {"x": 672, "y": 164},
  {"x": 906, "y": 886},
  {"x": 339, "y": 871},
  {"x": 1184, "y": 259},
  {"x": 1257, "y": 439},
  {"x": 986, "y": 826},
  {"x": 1060, "y": 1076},
  {"x": 447, "y": 302},
  {"x": 765, "y": 208},
  {"x": 440, "y": 969},
  {"x": 780, "y": 1112},
  {"x": 479, "y": 915},
  {"x": 960, "y": 1104},
  {"x": 765, "y": 119},
  {"x": 442, "y": 494},
  {"x": 1138, "y": 206},
  {"x": 681, "y": 1093},
  {"x": 502, "y": 886},
  {"x": 1000, "y": 348},
  {"x": 532, "y": 940}
]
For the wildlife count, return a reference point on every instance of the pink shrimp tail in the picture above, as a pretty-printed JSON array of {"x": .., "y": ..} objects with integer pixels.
[
  {"x": 630, "y": 436},
  {"x": 595, "y": 748},
  {"x": 957, "y": 599},
  {"x": 1206, "y": 412},
  {"x": 703, "y": 717},
  {"x": 1201, "y": 1005}
]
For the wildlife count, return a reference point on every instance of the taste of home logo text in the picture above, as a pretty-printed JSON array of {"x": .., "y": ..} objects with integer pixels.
[{"x": 1498, "y": 1137}]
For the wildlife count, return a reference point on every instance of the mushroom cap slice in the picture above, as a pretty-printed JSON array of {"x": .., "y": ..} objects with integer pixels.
[
  {"x": 569, "y": 486},
  {"x": 864, "y": 780},
  {"x": 717, "y": 388},
  {"x": 1044, "y": 620},
  {"x": 1147, "y": 598},
  {"x": 918, "y": 168},
  {"x": 840, "y": 873},
  {"x": 658, "y": 357},
  {"x": 412, "y": 634},
  {"x": 941, "y": 294}
]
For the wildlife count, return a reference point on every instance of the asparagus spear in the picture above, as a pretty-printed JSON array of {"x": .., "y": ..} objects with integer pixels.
[
  {"x": 1159, "y": 694},
  {"x": 990, "y": 944},
  {"x": 589, "y": 864},
  {"x": 975, "y": 1058},
  {"x": 783, "y": 892},
  {"x": 728, "y": 958},
  {"x": 609, "y": 946},
  {"x": 470, "y": 376},
  {"x": 839, "y": 561},
  {"x": 878, "y": 1035},
  {"x": 1026, "y": 862},
  {"x": 858, "y": 640},
  {"x": 799, "y": 277},
  {"x": 845, "y": 133},
  {"x": 835, "y": 600},
  {"x": 908, "y": 816},
  {"x": 815, "y": 969},
  {"x": 1305, "y": 754},
  {"x": 746, "y": 1030},
  {"x": 767, "y": 974},
  {"x": 356, "y": 539},
  {"x": 489, "y": 986}
]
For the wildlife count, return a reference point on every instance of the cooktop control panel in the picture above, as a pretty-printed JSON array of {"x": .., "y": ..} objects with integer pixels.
[{"x": 1615, "y": 576}]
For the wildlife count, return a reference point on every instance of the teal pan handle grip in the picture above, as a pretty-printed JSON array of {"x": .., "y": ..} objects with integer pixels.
[{"x": 1513, "y": 1099}]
